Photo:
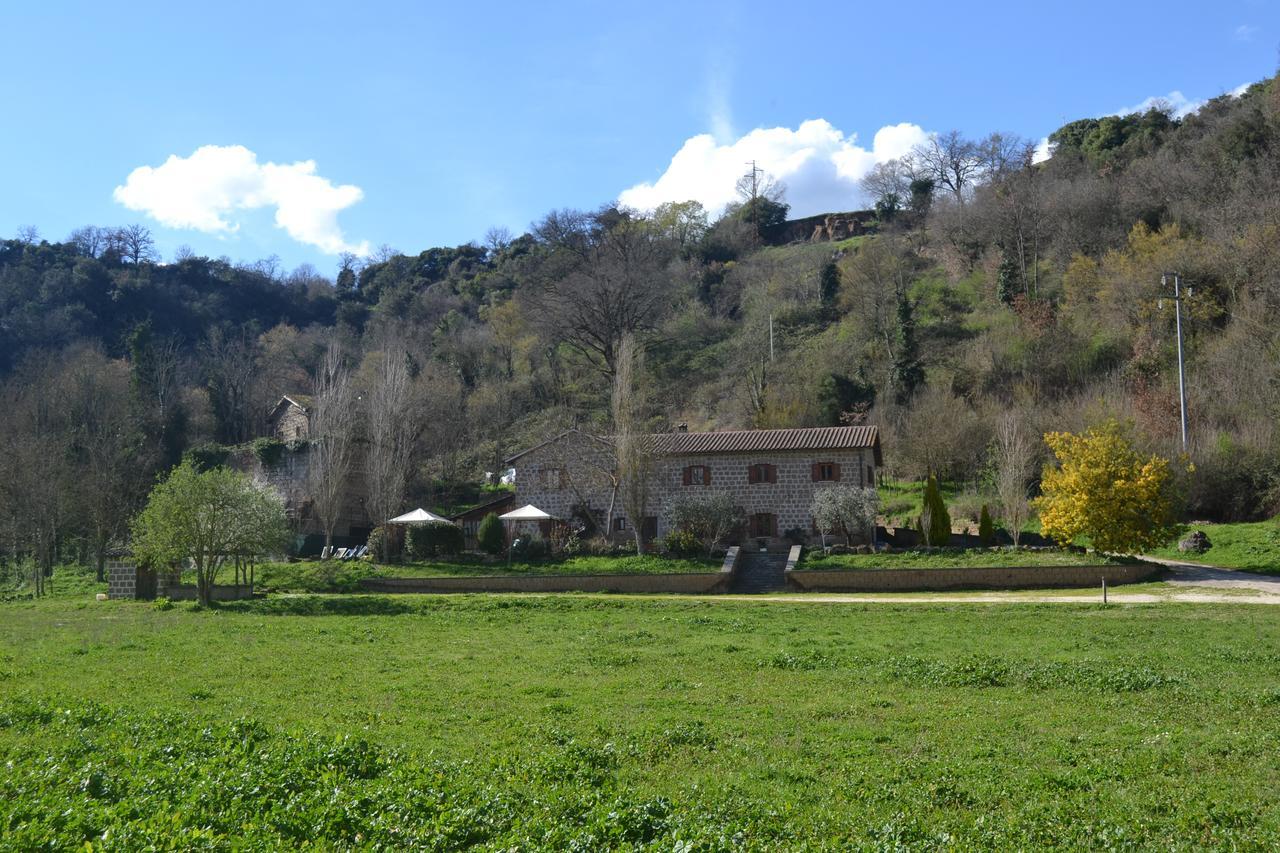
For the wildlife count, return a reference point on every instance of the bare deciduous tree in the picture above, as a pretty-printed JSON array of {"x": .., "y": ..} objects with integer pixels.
[
  {"x": 231, "y": 370},
  {"x": 333, "y": 441},
  {"x": 633, "y": 446},
  {"x": 1014, "y": 457},
  {"x": 951, "y": 161},
  {"x": 391, "y": 432},
  {"x": 136, "y": 243},
  {"x": 610, "y": 284}
]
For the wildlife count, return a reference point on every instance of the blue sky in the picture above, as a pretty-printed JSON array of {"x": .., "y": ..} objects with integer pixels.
[{"x": 429, "y": 123}]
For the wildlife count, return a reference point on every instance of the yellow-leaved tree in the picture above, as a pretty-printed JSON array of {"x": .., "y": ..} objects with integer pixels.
[{"x": 1102, "y": 488}]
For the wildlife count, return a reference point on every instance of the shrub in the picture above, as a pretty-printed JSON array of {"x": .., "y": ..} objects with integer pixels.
[
  {"x": 848, "y": 508},
  {"x": 491, "y": 536},
  {"x": 710, "y": 518},
  {"x": 268, "y": 450},
  {"x": 379, "y": 544},
  {"x": 206, "y": 457},
  {"x": 681, "y": 543},
  {"x": 986, "y": 529},
  {"x": 530, "y": 548},
  {"x": 434, "y": 540}
]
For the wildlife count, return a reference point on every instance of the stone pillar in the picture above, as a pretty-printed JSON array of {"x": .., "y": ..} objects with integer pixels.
[{"x": 122, "y": 579}]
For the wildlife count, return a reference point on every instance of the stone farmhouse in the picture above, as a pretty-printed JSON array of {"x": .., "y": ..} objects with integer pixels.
[
  {"x": 772, "y": 475},
  {"x": 290, "y": 419}
]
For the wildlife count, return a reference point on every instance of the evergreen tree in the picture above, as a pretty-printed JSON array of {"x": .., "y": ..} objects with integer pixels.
[
  {"x": 490, "y": 536},
  {"x": 1008, "y": 278},
  {"x": 829, "y": 284},
  {"x": 907, "y": 371},
  {"x": 935, "y": 521},
  {"x": 986, "y": 528}
]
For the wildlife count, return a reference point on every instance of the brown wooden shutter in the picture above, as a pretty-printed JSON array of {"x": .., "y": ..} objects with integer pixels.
[
  {"x": 772, "y": 472},
  {"x": 706, "y": 475},
  {"x": 817, "y": 471},
  {"x": 751, "y": 474},
  {"x": 688, "y": 475},
  {"x": 835, "y": 470}
]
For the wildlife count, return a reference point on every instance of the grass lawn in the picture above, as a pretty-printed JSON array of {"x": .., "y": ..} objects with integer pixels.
[
  {"x": 1254, "y": 547},
  {"x": 953, "y": 558},
  {"x": 339, "y": 576},
  {"x": 590, "y": 722}
]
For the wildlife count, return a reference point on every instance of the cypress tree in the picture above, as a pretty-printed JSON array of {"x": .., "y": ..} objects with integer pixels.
[
  {"x": 986, "y": 529},
  {"x": 935, "y": 521},
  {"x": 907, "y": 372}
]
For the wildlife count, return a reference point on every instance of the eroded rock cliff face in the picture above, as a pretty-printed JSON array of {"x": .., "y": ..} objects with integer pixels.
[{"x": 827, "y": 227}]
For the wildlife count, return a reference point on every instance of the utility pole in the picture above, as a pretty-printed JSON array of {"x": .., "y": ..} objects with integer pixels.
[
  {"x": 1182, "y": 372},
  {"x": 771, "y": 338},
  {"x": 754, "y": 175}
]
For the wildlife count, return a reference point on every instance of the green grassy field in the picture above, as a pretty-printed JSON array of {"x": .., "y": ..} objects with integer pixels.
[
  {"x": 952, "y": 558},
  {"x": 588, "y": 722},
  {"x": 1254, "y": 547},
  {"x": 339, "y": 576}
]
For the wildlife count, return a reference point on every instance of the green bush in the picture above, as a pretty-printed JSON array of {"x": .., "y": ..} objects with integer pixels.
[
  {"x": 491, "y": 536},
  {"x": 530, "y": 548},
  {"x": 434, "y": 540},
  {"x": 206, "y": 457},
  {"x": 682, "y": 543},
  {"x": 268, "y": 450},
  {"x": 379, "y": 544}
]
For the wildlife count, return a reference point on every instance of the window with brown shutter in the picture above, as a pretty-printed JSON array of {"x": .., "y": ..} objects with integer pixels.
[
  {"x": 762, "y": 472},
  {"x": 697, "y": 475},
  {"x": 826, "y": 471}
]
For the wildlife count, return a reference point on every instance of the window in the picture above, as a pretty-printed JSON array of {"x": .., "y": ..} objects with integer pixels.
[
  {"x": 826, "y": 472},
  {"x": 551, "y": 478},
  {"x": 762, "y": 472},
  {"x": 697, "y": 475},
  {"x": 871, "y": 477},
  {"x": 764, "y": 524},
  {"x": 619, "y": 524}
]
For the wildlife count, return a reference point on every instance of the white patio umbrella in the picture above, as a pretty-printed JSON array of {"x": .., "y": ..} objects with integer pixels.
[
  {"x": 528, "y": 512},
  {"x": 418, "y": 516}
]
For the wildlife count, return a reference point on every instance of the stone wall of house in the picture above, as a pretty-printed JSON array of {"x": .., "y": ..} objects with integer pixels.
[
  {"x": 585, "y": 462},
  {"x": 293, "y": 424},
  {"x": 289, "y": 478}
]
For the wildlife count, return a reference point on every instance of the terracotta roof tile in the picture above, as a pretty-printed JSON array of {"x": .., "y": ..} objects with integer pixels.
[
  {"x": 746, "y": 441},
  {"x": 755, "y": 440}
]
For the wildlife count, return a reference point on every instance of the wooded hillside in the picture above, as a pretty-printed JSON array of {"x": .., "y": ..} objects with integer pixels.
[{"x": 991, "y": 284}]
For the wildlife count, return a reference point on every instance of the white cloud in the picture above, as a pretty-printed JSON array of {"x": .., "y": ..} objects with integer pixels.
[
  {"x": 820, "y": 165},
  {"x": 1178, "y": 103},
  {"x": 1245, "y": 32},
  {"x": 204, "y": 191},
  {"x": 1044, "y": 150}
]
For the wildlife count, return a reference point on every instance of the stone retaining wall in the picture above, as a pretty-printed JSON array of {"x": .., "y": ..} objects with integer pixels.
[
  {"x": 692, "y": 584},
  {"x": 220, "y": 592},
  {"x": 1021, "y": 577}
]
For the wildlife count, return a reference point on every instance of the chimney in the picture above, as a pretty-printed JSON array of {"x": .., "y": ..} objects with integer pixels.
[{"x": 682, "y": 427}]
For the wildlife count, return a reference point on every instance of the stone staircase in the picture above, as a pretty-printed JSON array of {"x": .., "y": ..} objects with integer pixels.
[{"x": 760, "y": 571}]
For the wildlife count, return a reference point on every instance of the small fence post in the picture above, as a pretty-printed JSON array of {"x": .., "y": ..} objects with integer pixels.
[{"x": 1104, "y": 589}]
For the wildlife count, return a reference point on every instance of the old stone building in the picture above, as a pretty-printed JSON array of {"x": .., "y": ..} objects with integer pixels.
[
  {"x": 770, "y": 474},
  {"x": 290, "y": 419}
]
